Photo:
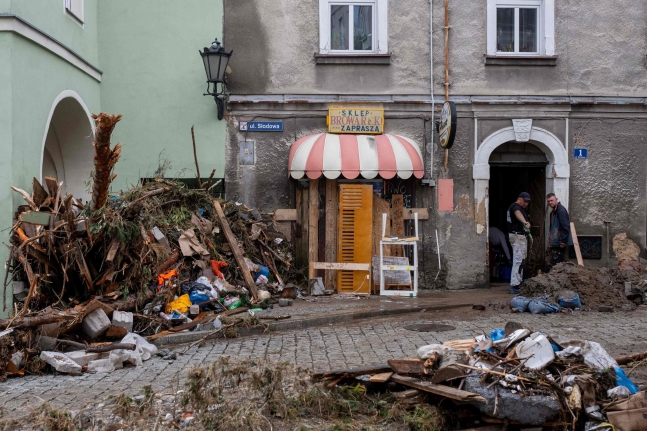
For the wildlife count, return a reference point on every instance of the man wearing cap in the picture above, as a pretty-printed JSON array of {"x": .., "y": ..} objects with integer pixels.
[{"x": 517, "y": 219}]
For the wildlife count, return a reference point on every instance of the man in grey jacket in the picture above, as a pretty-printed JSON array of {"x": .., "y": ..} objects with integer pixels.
[{"x": 560, "y": 231}]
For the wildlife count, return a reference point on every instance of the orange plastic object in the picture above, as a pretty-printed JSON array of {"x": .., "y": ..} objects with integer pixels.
[
  {"x": 161, "y": 279},
  {"x": 216, "y": 266}
]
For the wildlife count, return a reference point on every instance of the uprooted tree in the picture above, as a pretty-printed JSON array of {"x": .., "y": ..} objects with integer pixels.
[{"x": 104, "y": 158}]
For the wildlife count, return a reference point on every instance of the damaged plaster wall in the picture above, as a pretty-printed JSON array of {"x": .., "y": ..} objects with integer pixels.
[
  {"x": 274, "y": 52},
  {"x": 583, "y": 67}
]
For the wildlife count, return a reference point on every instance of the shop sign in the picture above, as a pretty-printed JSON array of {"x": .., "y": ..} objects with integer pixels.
[
  {"x": 446, "y": 127},
  {"x": 355, "y": 120},
  {"x": 261, "y": 126},
  {"x": 580, "y": 153}
]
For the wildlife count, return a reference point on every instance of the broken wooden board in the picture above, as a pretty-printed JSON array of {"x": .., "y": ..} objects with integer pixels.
[
  {"x": 35, "y": 217},
  {"x": 380, "y": 206},
  {"x": 381, "y": 377},
  {"x": 409, "y": 213},
  {"x": 576, "y": 245},
  {"x": 441, "y": 390},
  {"x": 352, "y": 372},
  {"x": 233, "y": 243},
  {"x": 409, "y": 367},
  {"x": 449, "y": 372},
  {"x": 469, "y": 344},
  {"x": 397, "y": 222},
  {"x": 285, "y": 215}
]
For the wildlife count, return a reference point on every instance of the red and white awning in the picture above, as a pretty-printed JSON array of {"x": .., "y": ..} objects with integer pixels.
[{"x": 353, "y": 155}]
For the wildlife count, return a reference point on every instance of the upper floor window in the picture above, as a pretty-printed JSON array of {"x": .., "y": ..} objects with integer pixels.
[
  {"x": 353, "y": 27},
  {"x": 521, "y": 27},
  {"x": 75, "y": 8}
]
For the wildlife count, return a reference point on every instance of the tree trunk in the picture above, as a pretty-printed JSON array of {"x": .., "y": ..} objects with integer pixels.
[{"x": 104, "y": 158}]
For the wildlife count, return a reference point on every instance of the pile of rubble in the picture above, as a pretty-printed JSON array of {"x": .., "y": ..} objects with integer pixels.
[
  {"x": 514, "y": 376},
  {"x": 153, "y": 260}
]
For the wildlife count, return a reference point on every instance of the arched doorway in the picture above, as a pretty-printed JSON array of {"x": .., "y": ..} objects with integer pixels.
[
  {"x": 67, "y": 144},
  {"x": 537, "y": 152}
]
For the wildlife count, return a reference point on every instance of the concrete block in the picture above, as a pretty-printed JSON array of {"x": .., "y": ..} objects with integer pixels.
[
  {"x": 95, "y": 323},
  {"x": 123, "y": 319},
  {"x": 82, "y": 358},
  {"x": 60, "y": 362},
  {"x": 317, "y": 287},
  {"x": 283, "y": 302},
  {"x": 194, "y": 310},
  {"x": 47, "y": 343},
  {"x": 290, "y": 302}
]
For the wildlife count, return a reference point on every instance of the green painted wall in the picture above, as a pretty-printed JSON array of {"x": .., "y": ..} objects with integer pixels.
[
  {"x": 154, "y": 77},
  {"x": 50, "y": 17}
]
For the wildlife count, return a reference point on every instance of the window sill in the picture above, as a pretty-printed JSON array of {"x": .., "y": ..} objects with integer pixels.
[
  {"x": 383, "y": 59},
  {"x": 521, "y": 60}
]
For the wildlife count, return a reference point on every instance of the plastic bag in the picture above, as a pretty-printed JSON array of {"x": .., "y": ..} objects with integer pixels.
[
  {"x": 144, "y": 348},
  {"x": 181, "y": 304},
  {"x": 569, "y": 299},
  {"x": 541, "y": 305},
  {"x": 197, "y": 297},
  {"x": 497, "y": 334},
  {"x": 520, "y": 303},
  {"x": 623, "y": 380},
  {"x": 425, "y": 352}
]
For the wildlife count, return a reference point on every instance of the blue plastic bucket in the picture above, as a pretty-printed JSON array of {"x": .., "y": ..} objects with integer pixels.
[{"x": 504, "y": 273}]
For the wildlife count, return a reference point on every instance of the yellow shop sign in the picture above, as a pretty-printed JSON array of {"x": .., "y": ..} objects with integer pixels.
[{"x": 355, "y": 120}]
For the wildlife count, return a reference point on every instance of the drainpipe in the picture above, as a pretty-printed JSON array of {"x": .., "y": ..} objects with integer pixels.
[
  {"x": 446, "y": 66},
  {"x": 431, "y": 83}
]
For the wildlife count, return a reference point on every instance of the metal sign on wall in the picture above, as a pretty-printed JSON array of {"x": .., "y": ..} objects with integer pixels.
[
  {"x": 261, "y": 126},
  {"x": 355, "y": 120}
]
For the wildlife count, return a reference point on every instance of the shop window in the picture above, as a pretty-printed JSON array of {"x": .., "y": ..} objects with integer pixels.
[
  {"x": 75, "y": 9},
  {"x": 520, "y": 27},
  {"x": 357, "y": 27}
]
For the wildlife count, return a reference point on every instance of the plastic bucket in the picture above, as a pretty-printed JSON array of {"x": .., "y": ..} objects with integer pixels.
[{"x": 505, "y": 272}]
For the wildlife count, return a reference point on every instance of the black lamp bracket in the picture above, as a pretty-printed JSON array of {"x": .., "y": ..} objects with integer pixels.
[{"x": 219, "y": 97}]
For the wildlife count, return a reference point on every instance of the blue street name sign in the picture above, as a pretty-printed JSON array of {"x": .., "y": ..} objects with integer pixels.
[
  {"x": 580, "y": 153},
  {"x": 261, "y": 126}
]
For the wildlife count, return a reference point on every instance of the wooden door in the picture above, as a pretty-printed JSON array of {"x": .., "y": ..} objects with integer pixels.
[{"x": 355, "y": 235}]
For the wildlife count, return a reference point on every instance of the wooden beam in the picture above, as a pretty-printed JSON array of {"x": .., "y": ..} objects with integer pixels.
[
  {"x": 233, "y": 244},
  {"x": 397, "y": 222},
  {"x": 332, "y": 214},
  {"x": 576, "y": 244},
  {"x": 423, "y": 213},
  {"x": 350, "y": 266},
  {"x": 313, "y": 224},
  {"x": 443, "y": 391},
  {"x": 285, "y": 215}
]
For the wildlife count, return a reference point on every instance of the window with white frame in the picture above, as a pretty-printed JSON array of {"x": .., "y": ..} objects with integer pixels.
[
  {"x": 75, "y": 8},
  {"x": 521, "y": 27},
  {"x": 353, "y": 27}
]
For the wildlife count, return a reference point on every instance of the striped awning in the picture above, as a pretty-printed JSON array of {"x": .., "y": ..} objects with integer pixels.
[{"x": 350, "y": 156}]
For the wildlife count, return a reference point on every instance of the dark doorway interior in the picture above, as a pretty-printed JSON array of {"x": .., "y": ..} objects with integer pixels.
[{"x": 506, "y": 182}]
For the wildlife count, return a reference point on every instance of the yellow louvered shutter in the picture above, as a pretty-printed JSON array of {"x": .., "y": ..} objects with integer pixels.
[{"x": 355, "y": 235}]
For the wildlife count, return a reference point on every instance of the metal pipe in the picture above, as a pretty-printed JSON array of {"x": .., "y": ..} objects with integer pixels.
[
  {"x": 437, "y": 252},
  {"x": 431, "y": 83},
  {"x": 446, "y": 66}
]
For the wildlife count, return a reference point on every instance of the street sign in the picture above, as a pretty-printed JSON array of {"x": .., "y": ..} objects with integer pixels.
[
  {"x": 446, "y": 127},
  {"x": 261, "y": 126},
  {"x": 580, "y": 153}
]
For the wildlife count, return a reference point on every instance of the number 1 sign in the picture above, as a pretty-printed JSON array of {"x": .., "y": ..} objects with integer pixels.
[{"x": 580, "y": 153}]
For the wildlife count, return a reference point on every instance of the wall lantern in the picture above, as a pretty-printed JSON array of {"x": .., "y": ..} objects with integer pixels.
[{"x": 215, "y": 60}]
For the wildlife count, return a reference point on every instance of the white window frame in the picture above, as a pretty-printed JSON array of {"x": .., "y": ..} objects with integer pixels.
[
  {"x": 69, "y": 10},
  {"x": 545, "y": 26},
  {"x": 380, "y": 33}
]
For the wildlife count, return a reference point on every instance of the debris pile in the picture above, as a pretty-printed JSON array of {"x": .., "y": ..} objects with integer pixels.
[
  {"x": 514, "y": 376},
  {"x": 595, "y": 286},
  {"x": 155, "y": 259}
]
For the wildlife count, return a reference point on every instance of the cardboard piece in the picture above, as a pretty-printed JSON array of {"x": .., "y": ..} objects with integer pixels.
[{"x": 190, "y": 245}]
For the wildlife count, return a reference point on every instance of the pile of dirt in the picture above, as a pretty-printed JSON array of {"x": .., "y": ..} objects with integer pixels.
[{"x": 596, "y": 286}]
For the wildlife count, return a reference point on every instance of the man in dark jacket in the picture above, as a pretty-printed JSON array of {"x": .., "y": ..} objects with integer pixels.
[{"x": 560, "y": 231}]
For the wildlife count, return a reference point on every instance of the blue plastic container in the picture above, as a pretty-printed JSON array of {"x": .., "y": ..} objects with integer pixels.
[
  {"x": 505, "y": 272},
  {"x": 262, "y": 271}
]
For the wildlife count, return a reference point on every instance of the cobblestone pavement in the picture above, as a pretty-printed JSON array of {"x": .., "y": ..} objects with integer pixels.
[{"x": 363, "y": 342}]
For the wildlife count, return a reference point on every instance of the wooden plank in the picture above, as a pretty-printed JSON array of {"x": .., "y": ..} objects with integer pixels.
[
  {"x": 35, "y": 217},
  {"x": 285, "y": 215},
  {"x": 332, "y": 209},
  {"x": 381, "y": 377},
  {"x": 52, "y": 186},
  {"x": 423, "y": 213},
  {"x": 39, "y": 193},
  {"x": 313, "y": 224},
  {"x": 443, "y": 391},
  {"x": 233, "y": 244},
  {"x": 298, "y": 229},
  {"x": 408, "y": 367},
  {"x": 349, "y": 266},
  {"x": 397, "y": 223},
  {"x": 353, "y": 371},
  {"x": 380, "y": 206},
  {"x": 576, "y": 244}
]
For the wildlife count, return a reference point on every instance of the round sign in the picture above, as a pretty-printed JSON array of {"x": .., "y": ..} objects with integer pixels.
[{"x": 447, "y": 125}]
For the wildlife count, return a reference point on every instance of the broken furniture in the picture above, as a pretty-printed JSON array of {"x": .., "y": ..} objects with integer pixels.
[
  {"x": 364, "y": 288},
  {"x": 389, "y": 241}
]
